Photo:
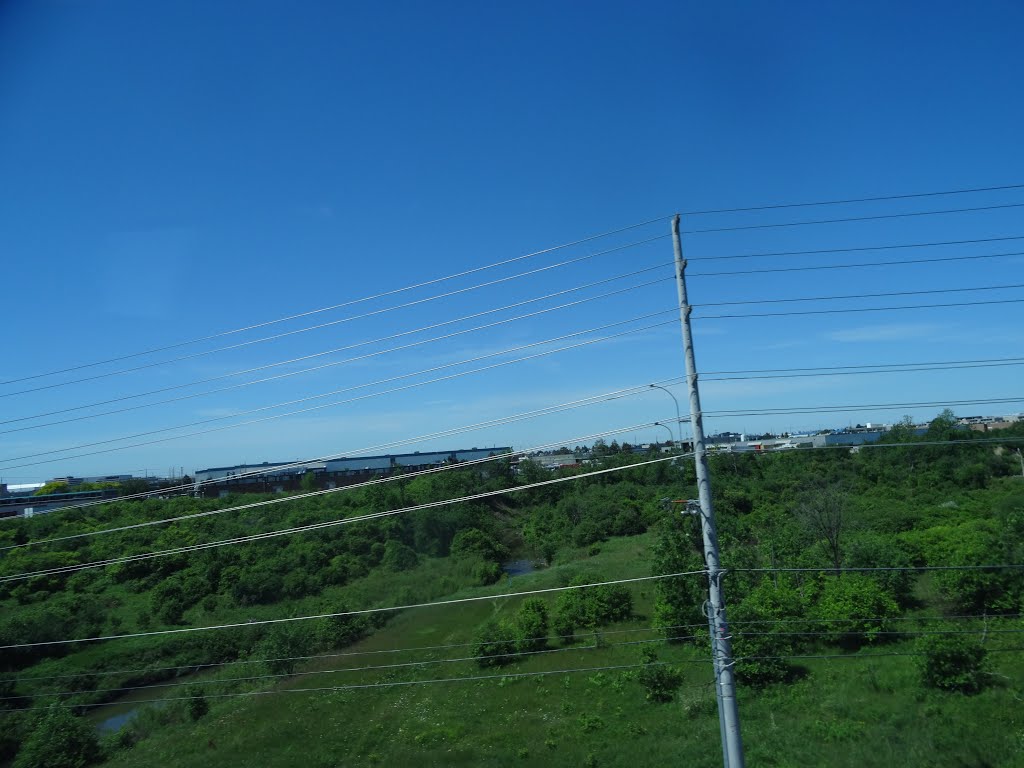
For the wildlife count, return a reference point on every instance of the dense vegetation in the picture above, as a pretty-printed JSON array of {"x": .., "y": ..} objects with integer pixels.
[{"x": 824, "y": 511}]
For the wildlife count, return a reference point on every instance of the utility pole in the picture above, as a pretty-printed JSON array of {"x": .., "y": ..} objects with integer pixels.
[{"x": 721, "y": 645}]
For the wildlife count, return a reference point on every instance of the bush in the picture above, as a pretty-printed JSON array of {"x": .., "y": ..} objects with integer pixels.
[
  {"x": 495, "y": 643},
  {"x": 532, "y": 626},
  {"x": 59, "y": 740},
  {"x": 660, "y": 681},
  {"x": 197, "y": 705},
  {"x": 952, "y": 663},
  {"x": 854, "y": 607},
  {"x": 758, "y": 647},
  {"x": 592, "y": 607},
  {"x": 398, "y": 556}
]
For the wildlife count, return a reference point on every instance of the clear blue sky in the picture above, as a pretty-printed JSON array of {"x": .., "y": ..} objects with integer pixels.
[{"x": 179, "y": 169}]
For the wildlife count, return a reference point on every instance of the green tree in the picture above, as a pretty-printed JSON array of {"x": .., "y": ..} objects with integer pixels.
[{"x": 59, "y": 740}]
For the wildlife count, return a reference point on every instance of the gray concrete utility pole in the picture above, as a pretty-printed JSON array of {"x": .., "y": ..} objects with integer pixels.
[{"x": 721, "y": 645}]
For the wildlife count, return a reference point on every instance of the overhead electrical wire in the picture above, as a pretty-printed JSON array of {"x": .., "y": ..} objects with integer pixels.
[
  {"x": 852, "y": 310},
  {"x": 868, "y": 407},
  {"x": 365, "y": 668},
  {"x": 450, "y": 365},
  {"x": 1019, "y": 361},
  {"x": 423, "y": 342},
  {"x": 843, "y": 297},
  {"x": 335, "y": 363},
  {"x": 322, "y": 325},
  {"x": 634, "y": 390},
  {"x": 856, "y": 249},
  {"x": 514, "y": 675},
  {"x": 352, "y": 388},
  {"x": 322, "y": 656},
  {"x": 851, "y": 219},
  {"x": 324, "y": 492},
  {"x": 352, "y": 302},
  {"x": 478, "y": 658},
  {"x": 257, "y": 471},
  {"x": 199, "y": 666},
  {"x": 889, "y": 263},
  {"x": 881, "y": 569},
  {"x": 860, "y": 656},
  {"x": 851, "y": 200},
  {"x": 391, "y": 684},
  {"x": 248, "y": 539},
  {"x": 475, "y": 270},
  {"x": 359, "y": 612}
]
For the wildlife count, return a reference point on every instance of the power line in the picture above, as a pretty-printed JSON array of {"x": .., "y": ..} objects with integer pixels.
[
  {"x": 615, "y": 395},
  {"x": 342, "y": 654},
  {"x": 335, "y": 363},
  {"x": 365, "y": 668},
  {"x": 391, "y": 684},
  {"x": 889, "y": 263},
  {"x": 310, "y": 494},
  {"x": 875, "y": 217},
  {"x": 582, "y": 402},
  {"x": 876, "y": 632},
  {"x": 876, "y": 569},
  {"x": 954, "y": 617},
  {"x": 930, "y": 364},
  {"x": 858, "y": 309},
  {"x": 861, "y": 656},
  {"x": 504, "y": 262},
  {"x": 317, "y": 327},
  {"x": 349, "y": 389},
  {"x": 873, "y": 406},
  {"x": 847, "y": 201},
  {"x": 360, "y": 612},
  {"x": 863, "y": 373},
  {"x": 842, "y": 297},
  {"x": 360, "y": 300},
  {"x": 857, "y": 249},
  {"x": 198, "y": 666},
  {"x": 322, "y": 525},
  {"x": 436, "y": 368},
  {"x": 506, "y": 676}
]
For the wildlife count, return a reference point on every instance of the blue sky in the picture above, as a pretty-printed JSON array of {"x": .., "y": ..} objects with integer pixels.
[{"x": 171, "y": 171}]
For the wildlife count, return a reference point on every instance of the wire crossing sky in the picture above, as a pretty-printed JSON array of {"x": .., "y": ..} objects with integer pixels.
[{"x": 172, "y": 193}]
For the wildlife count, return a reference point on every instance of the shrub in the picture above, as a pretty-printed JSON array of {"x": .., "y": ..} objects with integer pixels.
[
  {"x": 495, "y": 643},
  {"x": 532, "y": 626},
  {"x": 855, "y": 608},
  {"x": 197, "y": 705},
  {"x": 59, "y": 740},
  {"x": 398, "y": 556},
  {"x": 660, "y": 681},
  {"x": 952, "y": 663},
  {"x": 759, "y": 645}
]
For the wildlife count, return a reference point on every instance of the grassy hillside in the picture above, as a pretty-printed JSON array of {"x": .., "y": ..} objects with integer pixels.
[{"x": 809, "y": 693}]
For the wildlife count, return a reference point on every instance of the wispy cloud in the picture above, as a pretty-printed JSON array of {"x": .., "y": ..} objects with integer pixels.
[{"x": 889, "y": 332}]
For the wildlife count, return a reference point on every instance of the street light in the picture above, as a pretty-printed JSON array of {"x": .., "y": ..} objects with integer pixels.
[
  {"x": 671, "y": 437},
  {"x": 679, "y": 418}
]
